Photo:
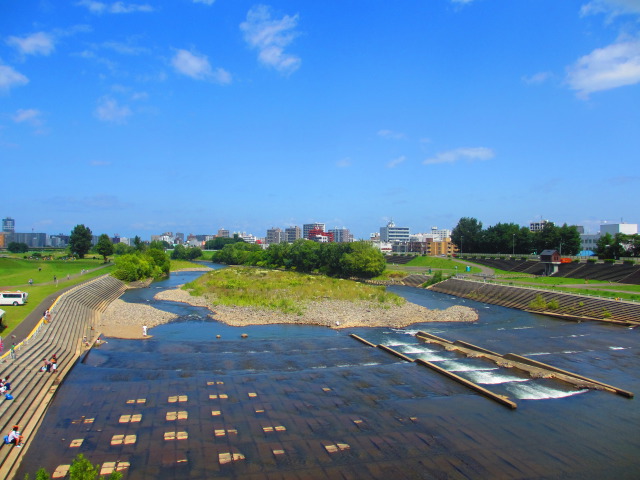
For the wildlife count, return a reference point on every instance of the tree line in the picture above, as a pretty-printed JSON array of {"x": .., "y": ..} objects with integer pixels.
[
  {"x": 510, "y": 238},
  {"x": 355, "y": 259}
]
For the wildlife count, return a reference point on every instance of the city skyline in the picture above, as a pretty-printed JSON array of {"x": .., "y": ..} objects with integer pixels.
[{"x": 142, "y": 117}]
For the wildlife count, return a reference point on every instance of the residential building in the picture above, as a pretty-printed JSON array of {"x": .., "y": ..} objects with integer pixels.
[
  {"x": 307, "y": 227},
  {"x": 59, "y": 241},
  {"x": 318, "y": 235},
  {"x": 32, "y": 239},
  {"x": 275, "y": 235},
  {"x": 224, "y": 233},
  {"x": 292, "y": 234},
  {"x": 392, "y": 234},
  {"x": 8, "y": 225},
  {"x": 341, "y": 235}
]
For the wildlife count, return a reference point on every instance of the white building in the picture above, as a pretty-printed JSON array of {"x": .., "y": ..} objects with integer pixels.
[
  {"x": 391, "y": 233},
  {"x": 613, "y": 228}
]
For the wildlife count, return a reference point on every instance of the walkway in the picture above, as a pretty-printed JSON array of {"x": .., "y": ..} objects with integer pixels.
[{"x": 71, "y": 330}]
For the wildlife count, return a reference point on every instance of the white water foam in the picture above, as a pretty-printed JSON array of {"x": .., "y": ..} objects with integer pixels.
[
  {"x": 491, "y": 378},
  {"x": 370, "y": 364},
  {"x": 521, "y": 328},
  {"x": 618, "y": 348},
  {"x": 433, "y": 358},
  {"x": 406, "y": 332},
  {"x": 533, "y": 391},
  {"x": 536, "y": 353},
  {"x": 416, "y": 349},
  {"x": 454, "y": 366}
]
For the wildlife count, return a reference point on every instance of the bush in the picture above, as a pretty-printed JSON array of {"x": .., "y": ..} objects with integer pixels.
[
  {"x": 609, "y": 260},
  {"x": 575, "y": 260},
  {"x": 591, "y": 260},
  {"x": 629, "y": 262},
  {"x": 538, "y": 303},
  {"x": 553, "y": 304}
]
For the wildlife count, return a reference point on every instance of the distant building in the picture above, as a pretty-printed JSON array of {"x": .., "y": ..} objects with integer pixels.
[
  {"x": 223, "y": 233},
  {"x": 307, "y": 227},
  {"x": 391, "y": 233},
  {"x": 275, "y": 235},
  {"x": 8, "y": 225},
  {"x": 179, "y": 238},
  {"x": 613, "y": 228},
  {"x": 292, "y": 234},
  {"x": 59, "y": 241},
  {"x": 320, "y": 236},
  {"x": 33, "y": 240},
  {"x": 538, "y": 226},
  {"x": 341, "y": 235}
]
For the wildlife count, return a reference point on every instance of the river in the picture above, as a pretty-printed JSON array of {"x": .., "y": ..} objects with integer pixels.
[{"x": 293, "y": 402}]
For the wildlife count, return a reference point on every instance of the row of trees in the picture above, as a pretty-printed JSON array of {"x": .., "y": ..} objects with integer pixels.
[
  {"x": 356, "y": 259},
  {"x": 618, "y": 245},
  {"x": 471, "y": 237},
  {"x": 152, "y": 263}
]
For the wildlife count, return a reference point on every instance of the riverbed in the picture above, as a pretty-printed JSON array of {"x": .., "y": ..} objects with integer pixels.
[{"x": 297, "y": 401}]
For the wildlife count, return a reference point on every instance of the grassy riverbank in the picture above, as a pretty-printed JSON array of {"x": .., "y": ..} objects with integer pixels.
[{"x": 283, "y": 291}]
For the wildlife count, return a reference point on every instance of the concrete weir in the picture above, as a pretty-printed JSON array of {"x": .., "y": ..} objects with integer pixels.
[
  {"x": 467, "y": 383},
  {"x": 532, "y": 367}
]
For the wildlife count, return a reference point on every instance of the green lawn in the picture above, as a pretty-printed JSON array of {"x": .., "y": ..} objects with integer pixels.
[
  {"x": 282, "y": 290},
  {"x": 442, "y": 263},
  {"x": 16, "y": 272},
  {"x": 39, "y": 291},
  {"x": 548, "y": 280},
  {"x": 182, "y": 264}
]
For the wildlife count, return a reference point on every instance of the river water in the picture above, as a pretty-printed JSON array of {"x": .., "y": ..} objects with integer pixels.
[{"x": 303, "y": 402}]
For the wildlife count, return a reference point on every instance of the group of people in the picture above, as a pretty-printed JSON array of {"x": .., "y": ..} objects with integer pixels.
[
  {"x": 5, "y": 385},
  {"x": 50, "y": 365}
]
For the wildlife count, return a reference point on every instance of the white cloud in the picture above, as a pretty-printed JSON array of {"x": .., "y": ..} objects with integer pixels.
[
  {"x": 613, "y": 66},
  {"x": 344, "y": 163},
  {"x": 537, "y": 78},
  {"x": 116, "y": 7},
  {"x": 39, "y": 43},
  {"x": 10, "y": 78},
  {"x": 465, "y": 153},
  {"x": 396, "y": 161},
  {"x": 109, "y": 110},
  {"x": 391, "y": 135},
  {"x": 611, "y": 7},
  {"x": 198, "y": 67},
  {"x": 30, "y": 116},
  {"x": 270, "y": 37}
]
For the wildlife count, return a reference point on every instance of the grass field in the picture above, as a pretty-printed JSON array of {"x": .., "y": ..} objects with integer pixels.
[
  {"x": 41, "y": 290},
  {"x": 281, "y": 290},
  {"x": 441, "y": 263}
]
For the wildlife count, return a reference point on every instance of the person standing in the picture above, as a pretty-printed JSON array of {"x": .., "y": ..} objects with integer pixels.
[
  {"x": 13, "y": 350},
  {"x": 144, "y": 330}
]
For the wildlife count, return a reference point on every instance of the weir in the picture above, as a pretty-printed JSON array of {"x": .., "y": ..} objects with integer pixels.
[{"x": 534, "y": 368}]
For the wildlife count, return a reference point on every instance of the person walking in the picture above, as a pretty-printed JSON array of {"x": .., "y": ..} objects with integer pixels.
[{"x": 13, "y": 350}]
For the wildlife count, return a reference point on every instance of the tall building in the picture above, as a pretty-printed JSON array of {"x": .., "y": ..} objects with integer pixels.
[
  {"x": 223, "y": 233},
  {"x": 341, "y": 235},
  {"x": 8, "y": 225},
  {"x": 307, "y": 227},
  {"x": 391, "y": 233},
  {"x": 275, "y": 235},
  {"x": 613, "y": 228},
  {"x": 292, "y": 234}
]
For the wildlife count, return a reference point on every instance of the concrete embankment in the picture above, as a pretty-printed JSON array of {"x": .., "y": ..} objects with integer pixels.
[{"x": 558, "y": 305}]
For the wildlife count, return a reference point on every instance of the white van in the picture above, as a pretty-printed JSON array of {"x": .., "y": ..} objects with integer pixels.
[{"x": 13, "y": 298}]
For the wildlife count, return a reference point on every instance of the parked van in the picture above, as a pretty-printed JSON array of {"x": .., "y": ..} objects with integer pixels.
[{"x": 13, "y": 298}]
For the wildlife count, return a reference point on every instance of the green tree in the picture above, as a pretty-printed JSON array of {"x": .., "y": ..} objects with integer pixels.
[
  {"x": 80, "y": 240},
  {"x": 362, "y": 260},
  {"x": 160, "y": 244},
  {"x": 611, "y": 246},
  {"x": 570, "y": 242},
  {"x": 219, "y": 242},
  {"x": 104, "y": 246},
  {"x": 468, "y": 235},
  {"x": 138, "y": 244},
  {"x": 18, "y": 247},
  {"x": 122, "y": 249},
  {"x": 80, "y": 469},
  {"x": 160, "y": 259}
]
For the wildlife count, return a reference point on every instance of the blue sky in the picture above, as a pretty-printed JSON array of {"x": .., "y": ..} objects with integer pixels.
[{"x": 193, "y": 115}]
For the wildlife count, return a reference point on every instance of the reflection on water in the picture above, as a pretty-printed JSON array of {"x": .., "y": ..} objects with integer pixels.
[{"x": 309, "y": 402}]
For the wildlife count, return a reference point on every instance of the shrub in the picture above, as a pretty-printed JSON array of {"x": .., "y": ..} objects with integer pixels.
[
  {"x": 629, "y": 262},
  {"x": 591, "y": 260},
  {"x": 609, "y": 260},
  {"x": 538, "y": 303},
  {"x": 553, "y": 304},
  {"x": 606, "y": 313}
]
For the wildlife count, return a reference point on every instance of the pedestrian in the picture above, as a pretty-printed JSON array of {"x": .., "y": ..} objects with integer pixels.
[
  {"x": 47, "y": 316},
  {"x": 13, "y": 350},
  {"x": 31, "y": 281},
  {"x": 144, "y": 330},
  {"x": 14, "y": 437}
]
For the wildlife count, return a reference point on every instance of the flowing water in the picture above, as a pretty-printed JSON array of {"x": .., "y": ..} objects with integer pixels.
[{"x": 295, "y": 402}]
